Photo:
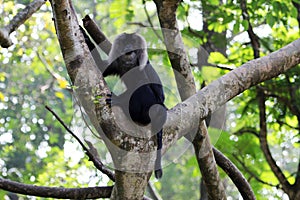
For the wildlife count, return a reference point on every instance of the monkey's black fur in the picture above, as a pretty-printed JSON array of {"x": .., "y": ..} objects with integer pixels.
[{"x": 143, "y": 100}]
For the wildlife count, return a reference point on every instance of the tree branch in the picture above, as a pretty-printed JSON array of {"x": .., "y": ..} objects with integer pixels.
[
  {"x": 247, "y": 130},
  {"x": 17, "y": 20},
  {"x": 235, "y": 175},
  {"x": 96, "y": 33},
  {"x": 254, "y": 39},
  {"x": 286, "y": 186},
  {"x": 252, "y": 174},
  {"x": 56, "y": 192},
  {"x": 166, "y": 10}
]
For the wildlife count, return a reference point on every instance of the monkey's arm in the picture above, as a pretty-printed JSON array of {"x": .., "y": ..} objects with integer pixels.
[
  {"x": 111, "y": 69},
  {"x": 102, "y": 65},
  {"x": 117, "y": 100},
  {"x": 155, "y": 83},
  {"x": 87, "y": 39}
]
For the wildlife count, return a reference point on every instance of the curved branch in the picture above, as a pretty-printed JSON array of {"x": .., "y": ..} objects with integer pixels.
[
  {"x": 56, "y": 192},
  {"x": 17, "y": 20},
  {"x": 246, "y": 130},
  {"x": 217, "y": 93},
  {"x": 235, "y": 175},
  {"x": 264, "y": 144},
  {"x": 254, "y": 175}
]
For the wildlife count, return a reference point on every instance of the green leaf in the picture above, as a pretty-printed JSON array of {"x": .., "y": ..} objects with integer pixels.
[
  {"x": 270, "y": 19},
  {"x": 2, "y": 76},
  {"x": 217, "y": 57},
  {"x": 2, "y": 96},
  {"x": 236, "y": 27},
  {"x": 60, "y": 95},
  {"x": 276, "y": 6},
  {"x": 294, "y": 12},
  {"x": 214, "y": 2},
  {"x": 245, "y": 24}
]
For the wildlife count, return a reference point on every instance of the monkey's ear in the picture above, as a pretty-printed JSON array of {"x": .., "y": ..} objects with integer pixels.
[{"x": 143, "y": 59}]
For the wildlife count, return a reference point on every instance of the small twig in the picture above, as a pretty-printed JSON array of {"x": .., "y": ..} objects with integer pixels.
[
  {"x": 150, "y": 22},
  {"x": 55, "y": 75},
  {"x": 138, "y": 24},
  {"x": 253, "y": 174},
  {"x": 246, "y": 130},
  {"x": 84, "y": 118},
  {"x": 97, "y": 163},
  {"x": 219, "y": 66}
]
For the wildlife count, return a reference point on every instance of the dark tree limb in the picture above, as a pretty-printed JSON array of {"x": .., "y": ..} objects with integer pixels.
[
  {"x": 297, "y": 6},
  {"x": 235, "y": 175},
  {"x": 56, "y": 192},
  {"x": 292, "y": 190},
  {"x": 286, "y": 186},
  {"x": 17, "y": 20},
  {"x": 254, "y": 39},
  {"x": 247, "y": 130}
]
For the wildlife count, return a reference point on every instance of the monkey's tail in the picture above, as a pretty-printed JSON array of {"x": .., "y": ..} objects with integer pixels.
[{"x": 158, "y": 170}]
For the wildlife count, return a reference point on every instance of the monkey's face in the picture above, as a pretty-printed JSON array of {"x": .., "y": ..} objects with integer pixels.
[
  {"x": 128, "y": 49},
  {"x": 129, "y": 59}
]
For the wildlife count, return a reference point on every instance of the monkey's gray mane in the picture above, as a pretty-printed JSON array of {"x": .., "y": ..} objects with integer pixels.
[{"x": 132, "y": 41}]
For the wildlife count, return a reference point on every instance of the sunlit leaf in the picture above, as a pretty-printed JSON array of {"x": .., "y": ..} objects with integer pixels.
[
  {"x": 60, "y": 95},
  {"x": 2, "y": 76},
  {"x": 2, "y": 96},
  {"x": 217, "y": 57},
  {"x": 245, "y": 24},
  {"x": 62, "y": 83},
  {"x": 214, "y": 2},
  {"x": 270, "y": 19},
  {"x": 236, "y": 27}
]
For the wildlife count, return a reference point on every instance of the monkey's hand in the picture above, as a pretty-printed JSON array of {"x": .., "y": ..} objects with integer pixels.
[
  {"x": 113, "y": 100},
  {"x": 109, "y": 99}
]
